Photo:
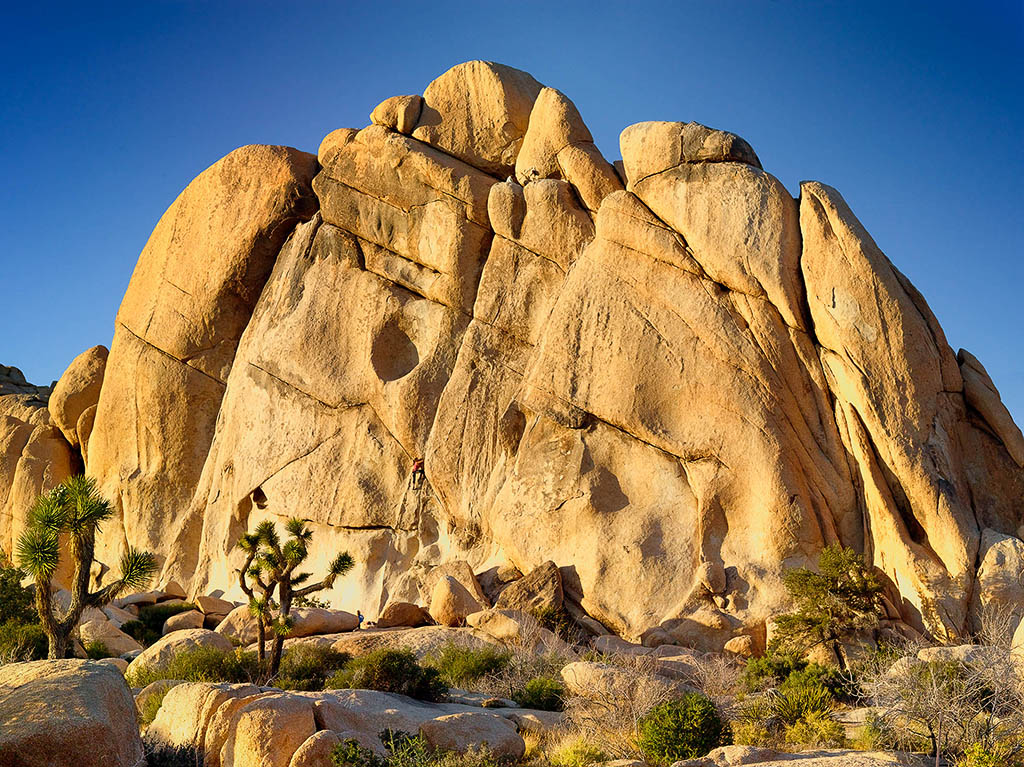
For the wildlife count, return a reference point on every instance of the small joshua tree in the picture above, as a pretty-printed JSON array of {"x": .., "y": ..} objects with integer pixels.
[
  {"x": 833, "y": 604},
  {"x": 74, "y": 509},
  {"x": 270, "y": 566}
]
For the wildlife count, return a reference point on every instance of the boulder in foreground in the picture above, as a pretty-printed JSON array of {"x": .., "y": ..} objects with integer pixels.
[{"x": 67, "y": 712}]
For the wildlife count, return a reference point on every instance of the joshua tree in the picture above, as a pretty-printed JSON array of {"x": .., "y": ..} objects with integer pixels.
[
  {"x": 74, "y": 509},
  {"x": 834, "y": 604},
  {"x": 269, "y": 567}
]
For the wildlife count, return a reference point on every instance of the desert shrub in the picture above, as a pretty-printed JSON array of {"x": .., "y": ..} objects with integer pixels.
[
  {"x": 201, "y": 664},
  {"x": 813, "y": 674},
  {"x": 349, "y": 753},
  {"x": 96, "y": 650},
  {"x": 771, "y": 670},
  {"x": 473, "y": 757},
  {"x": 818, "y": 730},
  {"x": 22, "y": 641},
  {"x": 159, "y": 754},
  {"x": 151, "y": 706},
  {"x": 16, "y": 601},
  {"x": 750, "y": 732},
  {"x": 150, "y": 626},
  {"x": 390, "y": 671},
  {"x": 995, "y": 755},
  {"x": 21, "y": 636},
  {"x": 682, "y": 729},
  {"x": 577, "y": 752},
  {"x": 798, "y": 702},
  {"x": 543, "y": 692},
  {"x": 460, "y": 666},
  {"x": 307, "y": 666},
  {"x": 833, "y": 603},
  {"x": 558, "y": 621}
]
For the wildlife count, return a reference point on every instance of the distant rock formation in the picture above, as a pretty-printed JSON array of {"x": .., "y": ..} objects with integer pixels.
[{"x": 666, "y": 375}]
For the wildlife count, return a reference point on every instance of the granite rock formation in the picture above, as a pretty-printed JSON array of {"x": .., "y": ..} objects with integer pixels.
[{"x": 665, "y": 375}]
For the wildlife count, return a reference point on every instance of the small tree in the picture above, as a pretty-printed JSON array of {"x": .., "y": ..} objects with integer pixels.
[
  {"x": 74, "y": 508},
  {"x": 833, "y": 604},
  {"x": 270, "y": 566}
]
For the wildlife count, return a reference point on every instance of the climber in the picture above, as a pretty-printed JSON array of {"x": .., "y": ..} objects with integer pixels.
[
  {"x": 417, "y": 473},
  {"x": 359, "y": 617}
]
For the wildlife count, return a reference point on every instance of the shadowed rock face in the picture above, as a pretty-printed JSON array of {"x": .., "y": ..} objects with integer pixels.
[{"x": 672, "y": 380}]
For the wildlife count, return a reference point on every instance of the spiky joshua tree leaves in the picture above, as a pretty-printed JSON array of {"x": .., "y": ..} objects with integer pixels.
[
  {"x": 73, "y": 510},
  {"x": 269, "y": 568}
]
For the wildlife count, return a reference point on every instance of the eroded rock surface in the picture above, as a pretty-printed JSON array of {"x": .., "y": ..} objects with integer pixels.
[{"x": 672, "y": 380}]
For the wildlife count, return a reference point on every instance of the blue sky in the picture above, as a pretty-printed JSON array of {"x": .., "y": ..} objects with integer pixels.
[{"x": 912, "y": 110}]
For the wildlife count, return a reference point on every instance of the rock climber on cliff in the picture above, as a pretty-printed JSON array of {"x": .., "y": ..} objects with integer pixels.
[{"x": 417, "y": 473}]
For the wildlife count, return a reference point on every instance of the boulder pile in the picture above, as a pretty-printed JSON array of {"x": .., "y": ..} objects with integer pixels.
[{"x": 466, "y": 347}]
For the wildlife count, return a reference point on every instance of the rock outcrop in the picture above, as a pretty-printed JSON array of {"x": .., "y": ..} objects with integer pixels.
[
  {"x": 67, "y": 712},
  {"x": 667, "y": 377}
]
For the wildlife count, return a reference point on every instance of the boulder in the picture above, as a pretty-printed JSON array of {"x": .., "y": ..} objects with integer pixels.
[
  {"x": 115, "y": 640},
  {"x": 213, "y": 605},
  {"x": 423, "y": 641},
  {"x": 1000, "y": 586},
  {"x": 450, "y": 602},
  {"x": 458, "y": 569},
  {"x": 67, "y": 712},
  {"x": 190, "y": 619},
  {"x": 176, "y": 332},
  {"x": 399, "y": 113},
  {"x": 174, "y": 589},
  {"x": 479, "y": 112},
  {"x": 516, "y": 629},
  {"x": 967, "y": 654},
  {"x": 404, "y": 614},
  {"x": 315, "y": 750},
  {"x": 267, "y": 731},
  {"x": 240, "y": 625},
  {"x": 152, "y": 690},
  {"x": 77, "y": 390},
  {"x": 461, "y": 732},
  {"x": 540, "y": 589},
  {"x": 118, "y": 616},
  {"x": 189, "y": 708},
  {"x": 161, "y": 653},
  {"x": 606, "y": 682}
]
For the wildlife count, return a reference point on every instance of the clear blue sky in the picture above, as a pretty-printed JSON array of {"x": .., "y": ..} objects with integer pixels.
[{"x": 914, "y": 111}]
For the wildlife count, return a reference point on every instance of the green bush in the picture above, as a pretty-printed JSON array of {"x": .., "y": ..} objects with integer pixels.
[
  {"x": 16, "y": 601},
  {"x": 202, "y": 664},
  {"x": 349, "y": 753},
  {"x": 96, "y": 650},
  {"x": 770, "y": 670},
  {"x": 390, "y": 671},
  {"x": 750, "y": 732},
  {"x": 800, "y": 702},
  {"x": 460, "y": 666},
  {"x": 544, "y": 693},
  {"x": 307, "y": 666},
  {"x": 979, "y": 755},
  {"x": 150, "y": 626},
  {"x": 682, "y": 729},
  {"x": 22, "y": 641},
  {"x": 817, "y": 730},
  {"x": 151, "y": 706},
  {"x": 814, "y": 674},
  {"x": 577, "y": 752}
]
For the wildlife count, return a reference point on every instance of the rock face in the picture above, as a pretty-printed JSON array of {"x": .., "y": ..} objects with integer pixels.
[
  {"x": 672, "y": 383},
  {"x": 51, "y": 709}
]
